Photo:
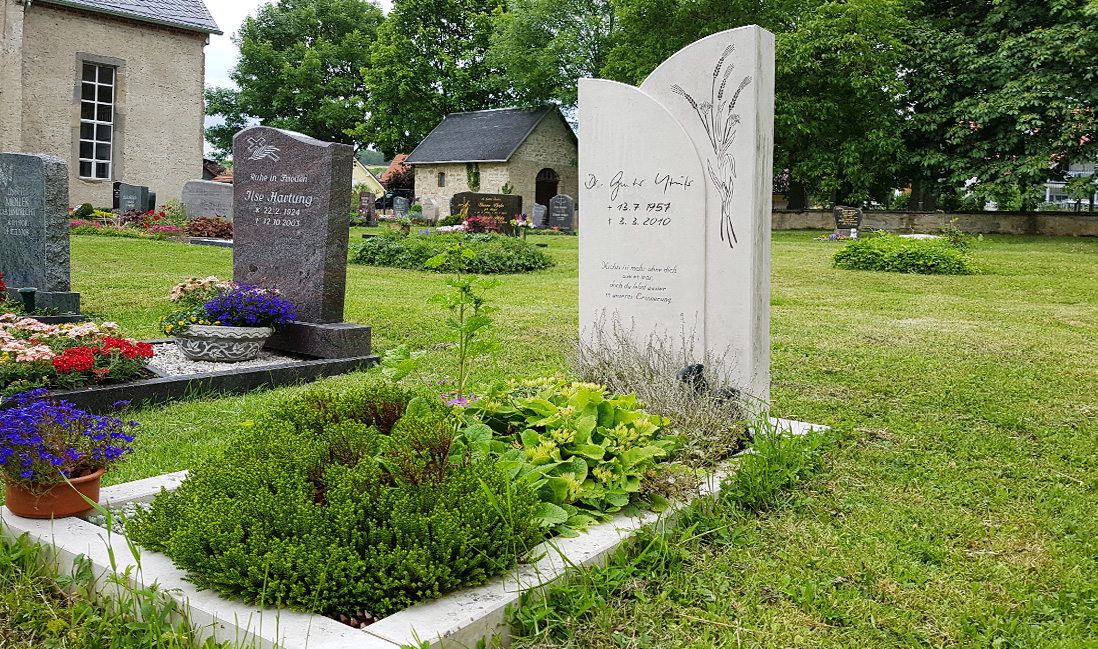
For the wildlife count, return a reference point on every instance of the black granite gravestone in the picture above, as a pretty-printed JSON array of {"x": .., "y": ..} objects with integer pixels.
[
  {"x": 133, "y": 197},
  {"x": 562, "y": 213},
  {"x": 502, "y": 207},
  {"x": 847, "y": 220},
  {"x": 291, "y": 231},
  {"x": 401, "y": 206},
  {"x": 34, "y": 229}
]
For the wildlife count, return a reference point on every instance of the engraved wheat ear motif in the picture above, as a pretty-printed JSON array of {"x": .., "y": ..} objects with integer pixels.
[{"x": 720, "y": 124}]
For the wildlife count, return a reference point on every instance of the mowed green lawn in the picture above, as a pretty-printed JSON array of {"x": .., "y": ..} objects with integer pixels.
[{"x": 958, "y": 510}]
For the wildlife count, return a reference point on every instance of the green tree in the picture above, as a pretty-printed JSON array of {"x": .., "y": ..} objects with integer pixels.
[
  {"x": 429, "y": 60},
  {"x": 546, "y": 45},
  {"x": 300, "y": 69},
  {"x": 1004, "y": 92},
  {"x": 222, "y": 101}
]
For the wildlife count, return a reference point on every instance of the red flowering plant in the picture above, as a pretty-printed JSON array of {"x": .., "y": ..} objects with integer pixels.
[{"x": 34, "y": 355}]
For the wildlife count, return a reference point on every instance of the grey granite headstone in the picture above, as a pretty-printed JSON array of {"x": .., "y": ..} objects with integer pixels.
[
  {"x": 401, "y": 206},
  {"x": 34, "y": 229},
  {"x": 562, "y": 213},
  {"x": 430, "y": 211},
  {"x": 291, "y": 218},
  {"x": 133, "y": 197},
  {"x": 539, "y": 215},
  {"x": 367, "y": 208},
  {"x": 205, "y": 198}
]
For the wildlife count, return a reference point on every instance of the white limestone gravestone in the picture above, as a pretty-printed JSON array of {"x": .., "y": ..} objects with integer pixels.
[
  {"x": 676, "y": 182},
  {"x": 430, "y": 211}
]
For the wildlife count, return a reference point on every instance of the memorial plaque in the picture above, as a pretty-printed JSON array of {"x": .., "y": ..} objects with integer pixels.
[
  {"x": 205, "y": 198},
  {"x": 675, "y": 180},
  {"x": 430, "y": 211},
  {"x": 34, "y": 228},
  {"x": 133, "y": 197},
  {"x": 367, "y": 208},
  {"x": 562, "y": 213},
  {"x": 401, "y": 206},
  {"x": 291, "y": 218},
  {"x": 539, "y": 215},
  {"x": 847, "y": 221},
  {"x": 502, "y": 207}
]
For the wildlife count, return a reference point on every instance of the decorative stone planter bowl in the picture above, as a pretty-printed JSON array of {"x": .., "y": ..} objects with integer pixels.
[{"x": 221, "y": 344}]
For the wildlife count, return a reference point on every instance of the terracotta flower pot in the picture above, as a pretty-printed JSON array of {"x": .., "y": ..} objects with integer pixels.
[
  {"x": 59, "y": 501},
  {"x": 221, "y": 344}
]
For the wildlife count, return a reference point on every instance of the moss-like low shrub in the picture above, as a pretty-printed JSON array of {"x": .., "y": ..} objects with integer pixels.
[
  {"x": 895, "y": 254},
  {"x": 336, "y": 503},
  {"x": 492, "y": 253}
]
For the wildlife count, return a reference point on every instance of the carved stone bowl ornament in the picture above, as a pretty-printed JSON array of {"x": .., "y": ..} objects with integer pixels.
[{"x": 222, "y": 344}]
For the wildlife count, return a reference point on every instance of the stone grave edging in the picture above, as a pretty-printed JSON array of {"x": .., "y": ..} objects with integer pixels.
[{"x": 458, "y": 619}]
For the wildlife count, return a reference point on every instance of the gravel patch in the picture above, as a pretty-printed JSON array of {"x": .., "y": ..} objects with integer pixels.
[{"x": 169, "y": 361}]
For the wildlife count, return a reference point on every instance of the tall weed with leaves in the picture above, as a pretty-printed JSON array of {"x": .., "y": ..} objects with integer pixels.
[
  {"x": 777, "y": 460},
  {"x": 471, "y": 310}
]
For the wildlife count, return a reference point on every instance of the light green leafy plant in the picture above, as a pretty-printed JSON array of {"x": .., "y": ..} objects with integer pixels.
[{"x": 584, "y": 452}]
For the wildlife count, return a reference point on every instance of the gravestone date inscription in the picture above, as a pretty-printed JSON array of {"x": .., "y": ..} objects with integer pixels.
[{"x": 291, "y": 218}]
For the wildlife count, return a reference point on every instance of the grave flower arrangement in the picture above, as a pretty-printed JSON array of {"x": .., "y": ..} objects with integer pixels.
[
  {"x": 210, "y": 301},
  {"x": 36, "y": 355},
  {"x": 42, "y": 442},
  {"x": 523, "y": 221},
  {"x": 46, "y": 444}
]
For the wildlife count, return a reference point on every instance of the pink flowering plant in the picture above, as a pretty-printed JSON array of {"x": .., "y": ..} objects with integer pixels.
[
  {"x": 43, "y": 442},
  {"x": 72, "y": 355}
]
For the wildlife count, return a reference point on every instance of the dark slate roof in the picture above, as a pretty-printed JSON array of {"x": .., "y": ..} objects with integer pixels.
[
  {"x": 184, "y": 14},
  {"x": 479, "y": 136}
]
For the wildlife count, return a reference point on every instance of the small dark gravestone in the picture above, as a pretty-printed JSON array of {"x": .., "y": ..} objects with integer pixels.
[
  {"x": 430, "y": 211},
  {"x": 205, "y": 198},
  {"x": 133, "y": 197},
  {"x": 152, "y": 201},
  {"x": 115, "y": 194},
  {"x": 367, "y": 209},
  {"x": 501, "y": 207},
  {"x": 847, "y": 221},
  {"x": 401, "y": 206},
  {"x": 540, "y": 215},
  {"x": 34, "y": 229},
  {"x": 562, "y": 213}
]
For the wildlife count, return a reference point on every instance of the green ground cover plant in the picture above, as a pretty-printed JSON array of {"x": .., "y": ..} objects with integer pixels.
[
  {"x": 895, "y": 254},
  {"x": 493, "y": 253},
  {"x": 955, "y": 509},
  {"x": 343, "y": 502}
]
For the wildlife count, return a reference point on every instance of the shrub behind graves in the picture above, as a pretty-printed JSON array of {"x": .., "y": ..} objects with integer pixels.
[
  {"x": 892, "y": 253},
  {"x": 204, "y": 226},
  {"x": 337, "y": 503},
  {"x": 493, "y": 253}
]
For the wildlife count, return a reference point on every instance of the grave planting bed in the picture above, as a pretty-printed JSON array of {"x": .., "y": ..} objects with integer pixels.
[{"x": 458, "y": 619}]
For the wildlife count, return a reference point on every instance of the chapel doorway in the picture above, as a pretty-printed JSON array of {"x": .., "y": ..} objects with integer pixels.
[{"x": 546, "y": 186}]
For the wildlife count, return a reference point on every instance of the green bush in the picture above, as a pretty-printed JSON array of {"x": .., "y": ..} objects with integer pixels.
[
  {"x": 83, "y": 212},
  {"x": 492, "y": 253},
  {"x": 892, "y": 253},
  {"x": 335, "y": 503},
  {"x": 453, "y": 219}
]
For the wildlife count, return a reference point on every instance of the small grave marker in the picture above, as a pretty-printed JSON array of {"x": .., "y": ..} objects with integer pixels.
[
  {"x": 401, "y": 206},
  {"x": 367, "y": 208},
  {"x": 133, "y": 197},
  {"x": 562, "y": 213},
  {"x": 430, "y": 211},
  {"x": 205, "y": 198},
  {"x": 539, "y": 215},
  {"x": 847, "y": 221}
]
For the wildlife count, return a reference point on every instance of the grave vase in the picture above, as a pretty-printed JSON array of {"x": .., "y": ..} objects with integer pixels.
[
  {"x": 221, "y": 344},
  {"x": 58, "y": 501}
]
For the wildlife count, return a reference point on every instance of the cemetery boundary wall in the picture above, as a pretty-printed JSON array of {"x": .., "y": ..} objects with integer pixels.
[{"x": 1058, "y": 224}]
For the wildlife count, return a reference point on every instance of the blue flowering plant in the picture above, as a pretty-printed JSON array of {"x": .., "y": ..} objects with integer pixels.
[
  {"x": 209, "y": 301},
  {"x": 43, "y": 442}
]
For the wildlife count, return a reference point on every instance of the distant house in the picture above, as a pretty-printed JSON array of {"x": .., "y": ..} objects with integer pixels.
[
  {"x": 362, "y": 176},
  {"x": 114, "y": 87},
  {"x": 393, "y": 176},
  {"x": 534, "y": 152}
]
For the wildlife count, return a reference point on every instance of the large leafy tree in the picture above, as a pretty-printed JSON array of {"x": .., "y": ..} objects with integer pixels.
[
  {"x": 429, "y": 60},
  {"x": 546, "y": 45},
  {"x": 1005, "y": 92},
  {"x": 300, "y": 69}
]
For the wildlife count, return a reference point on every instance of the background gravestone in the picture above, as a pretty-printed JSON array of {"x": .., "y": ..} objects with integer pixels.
[
  {"x": 133, "y": 197},
  {"x": 34, "y": 229},
  {"x": 115, "y": 193},
  {"x": 401, "y": 206},
  {"x": 430, "y": 211},
  {"x": 152, "y": 201},
  {"x": 205, "y": 198},
  {"x": 503, "y": 207},
  {"x": 291, "y": 230},
  {"x": 675, "y": 181},
  {"x": 539, "y": 215},
  {"x": 562, "y": 213},
  {"x": 367, "y": 208},
  {"x": 847, "y": 221}
]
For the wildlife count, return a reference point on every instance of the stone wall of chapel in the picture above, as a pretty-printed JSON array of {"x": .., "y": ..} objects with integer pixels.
[{"x": 158, "y": 106}]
